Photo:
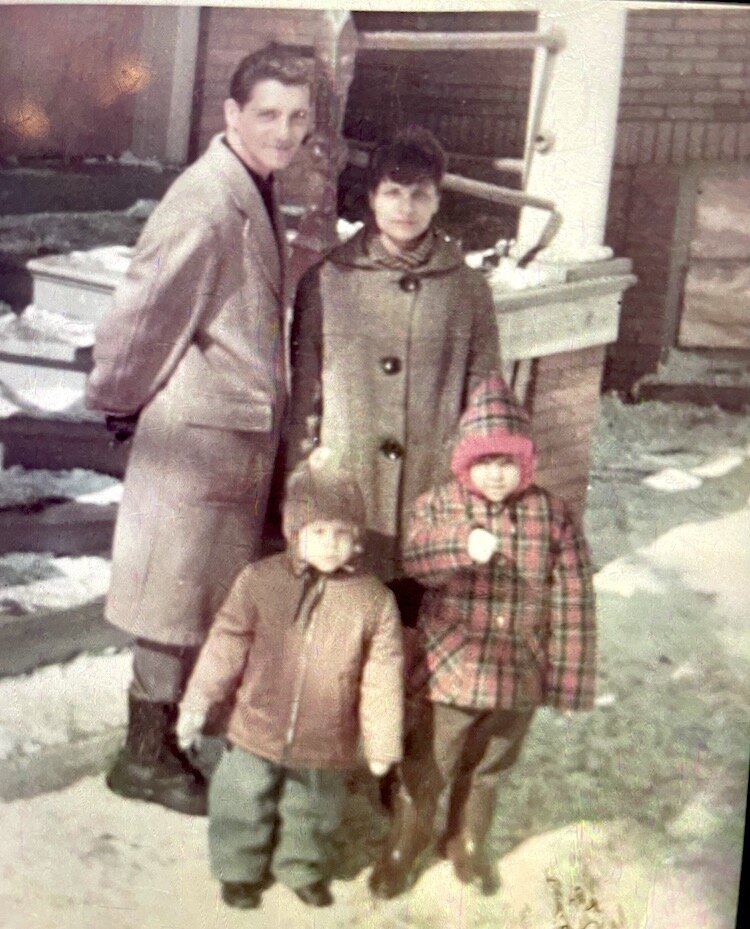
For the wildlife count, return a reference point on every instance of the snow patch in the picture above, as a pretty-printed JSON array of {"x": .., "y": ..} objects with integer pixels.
[
  {"x": 71, "y": 582},
  {"x": 721, "y": 464},
  {"x": 20, "y": 486},
  {"x": 672, "y": 480},
  {"x": 625, "y": 576},
  {"x": 63, "y": 703}
]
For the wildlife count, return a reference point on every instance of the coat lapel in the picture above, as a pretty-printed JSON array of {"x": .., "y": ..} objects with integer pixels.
[{"x": 260, "y": 234}]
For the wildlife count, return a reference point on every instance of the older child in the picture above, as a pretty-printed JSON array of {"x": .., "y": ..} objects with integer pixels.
[
  {"x": 507, "y": 624},
  {"x": 310, "y": 648}
]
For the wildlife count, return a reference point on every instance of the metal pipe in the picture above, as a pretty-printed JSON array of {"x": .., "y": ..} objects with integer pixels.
[{"x": 456, "y": 41}]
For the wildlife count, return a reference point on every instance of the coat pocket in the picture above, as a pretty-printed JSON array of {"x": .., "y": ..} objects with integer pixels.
[{"x": 229, "y": 411}]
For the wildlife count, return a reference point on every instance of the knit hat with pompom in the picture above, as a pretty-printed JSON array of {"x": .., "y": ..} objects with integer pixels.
[
  {"x": 318, "y": 488},
  {"x": 493, "y": 423}
]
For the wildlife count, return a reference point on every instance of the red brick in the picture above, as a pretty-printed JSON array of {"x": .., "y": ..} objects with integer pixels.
[
  {"x": 641, "y": 112},
  {"x": 667, "y": 97},
  {"x": 645, "y": 82},
  {"x": 663, "y": 142},
  {"x": 632, "y": 68},
  {"x": 705, "y": 52},
  {"x": 672, "y": 67},
  {"x": 736, "y": 52},
  {"x": 717, "y": 96},
  {"x": 727, "y": 36},
  {"x": 728, "y": 142},
  {"x": 735, "y": 83},
  {"x": 729, "y": 114},
  {"x": 699, "y": 82},
  {"x": 647, "y": 143},
  {"x": 717, "y": 67},
  {"x": 743, "y": 141},
  {"x": 679, "y": 142},
  {"x": 695, "y": 140},
  {"x": 689, "y": 112},
  {"x": 683, "y": 37},
  {"x": 650, "y": 52},
  {"x": 699, "y": 21},
  {"x": 712, "y": 141},
  {"x": 650, "y": 20},
  {"x": 636, "y": 37}
]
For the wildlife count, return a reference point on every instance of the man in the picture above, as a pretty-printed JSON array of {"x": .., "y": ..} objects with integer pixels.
[{"x": 191, "y": 360}]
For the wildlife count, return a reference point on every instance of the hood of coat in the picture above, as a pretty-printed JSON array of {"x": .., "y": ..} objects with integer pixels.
[
  {"x": 493, "y": 423},
  {"x": 445, "y": 256}
]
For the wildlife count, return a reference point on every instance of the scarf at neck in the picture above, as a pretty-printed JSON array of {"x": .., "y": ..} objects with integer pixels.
[{"x": 403, "y": 261}]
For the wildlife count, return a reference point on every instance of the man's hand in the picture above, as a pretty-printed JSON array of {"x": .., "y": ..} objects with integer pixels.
[
  {"x": 122, "y": 427},
  {"x": 190, "y": 725},
  {"x": 482, "y": 545}
]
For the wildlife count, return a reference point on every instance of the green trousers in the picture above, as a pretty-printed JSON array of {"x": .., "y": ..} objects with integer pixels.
[{"x": 266, "y": 819}]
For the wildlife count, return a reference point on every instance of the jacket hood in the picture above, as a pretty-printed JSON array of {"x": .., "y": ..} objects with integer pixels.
[
  {"x": 494, "y": 423},
  {"x": 446, "y": 254}
]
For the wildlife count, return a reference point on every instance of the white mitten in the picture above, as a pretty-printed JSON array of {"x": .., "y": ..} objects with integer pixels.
[
  {"x": 482, "y": 545},
  {"x": 379, "y": 768},
  {"x": 189, "y": 725}
]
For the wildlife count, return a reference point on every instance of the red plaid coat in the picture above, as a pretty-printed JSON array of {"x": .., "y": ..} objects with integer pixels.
[{"x": 517, "y": 632}]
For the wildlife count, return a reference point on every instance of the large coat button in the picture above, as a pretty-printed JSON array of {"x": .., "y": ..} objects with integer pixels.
[
  {"x": 392, "y": 449},
  {"x": 409, "y": 283},
  {"x": 390, "y": 364}
]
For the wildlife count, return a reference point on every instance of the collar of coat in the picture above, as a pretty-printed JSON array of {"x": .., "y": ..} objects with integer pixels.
[
  {"x": 249, "y": 201},
  {"x": 446, "y": 255}
]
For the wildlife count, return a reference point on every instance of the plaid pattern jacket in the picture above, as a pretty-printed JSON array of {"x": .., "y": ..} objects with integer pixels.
[{"x": 517, "y": 632}]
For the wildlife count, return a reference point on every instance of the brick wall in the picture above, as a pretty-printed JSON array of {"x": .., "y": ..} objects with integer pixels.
[
  {"x": 685, "y": 97},
  {"x": 563, "y": 401}
]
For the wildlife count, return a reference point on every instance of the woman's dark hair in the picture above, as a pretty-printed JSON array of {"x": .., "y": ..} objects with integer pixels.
[
  {"x": 284, "y": 63},
  {"x": 413, "y": 154}
]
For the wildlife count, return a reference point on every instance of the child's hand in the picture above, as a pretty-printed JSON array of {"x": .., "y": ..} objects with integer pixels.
[
  {"x": 482, "y": 545},
  {"x": 379, "y": 768},
  {"x": 189, "y": 725}
]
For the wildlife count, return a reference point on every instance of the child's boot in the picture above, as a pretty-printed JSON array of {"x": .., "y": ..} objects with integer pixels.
[
  {"x": 242, "y": 895},
  {"x": 151, "y": 766},
  {"x": 466, "y": 850},
  {"x": 409, "y": 836},
  {"x": 315, "y": 894}
]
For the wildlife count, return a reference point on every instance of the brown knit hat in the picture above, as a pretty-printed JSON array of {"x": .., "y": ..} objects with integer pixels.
[{"x": 318, "y": 488}]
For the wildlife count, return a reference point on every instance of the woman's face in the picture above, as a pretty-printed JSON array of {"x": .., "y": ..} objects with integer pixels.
[{"x": 403, "y": 212}]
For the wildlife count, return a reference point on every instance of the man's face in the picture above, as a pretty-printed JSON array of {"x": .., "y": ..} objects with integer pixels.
[
  {"x": 326, "y": 544},
  {"x": 403, "y": 212},
  {"x": 268, "y": 130},
  {"x": 496, "y": 477}
]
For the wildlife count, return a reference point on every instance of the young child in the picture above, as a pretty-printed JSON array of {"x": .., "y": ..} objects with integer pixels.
[
  {"x": 507, "y": 624},
  {"x": 310, "y": 648}
]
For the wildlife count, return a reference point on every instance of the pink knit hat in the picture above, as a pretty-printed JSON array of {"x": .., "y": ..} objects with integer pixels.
[{"x": 493, "y": 423}]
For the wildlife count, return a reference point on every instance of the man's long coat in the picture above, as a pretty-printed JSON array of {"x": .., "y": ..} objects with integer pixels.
[{"x": 195, "y": 343}]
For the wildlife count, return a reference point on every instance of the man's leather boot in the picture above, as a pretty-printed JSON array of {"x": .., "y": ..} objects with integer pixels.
[
  {"x": 152, "y": 767},
  {"x": 466, "y": 849},
  {"x": 409, "y": 836}
]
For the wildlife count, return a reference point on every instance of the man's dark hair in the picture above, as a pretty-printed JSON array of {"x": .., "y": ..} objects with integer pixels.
[
  {"x": 288, "y": 64},
  {"x": 412, "y": 155}
]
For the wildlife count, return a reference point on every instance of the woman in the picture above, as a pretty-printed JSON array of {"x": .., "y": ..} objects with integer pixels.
[{"x": 391, "y": 333}]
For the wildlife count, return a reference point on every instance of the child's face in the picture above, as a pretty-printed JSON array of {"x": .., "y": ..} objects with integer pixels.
[
  {"x": 326, "y": 544},
  {"x": 495, "y": 477}
]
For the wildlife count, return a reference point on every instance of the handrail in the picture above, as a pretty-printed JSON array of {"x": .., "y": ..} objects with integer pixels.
[{"x": 457, "y": 41}]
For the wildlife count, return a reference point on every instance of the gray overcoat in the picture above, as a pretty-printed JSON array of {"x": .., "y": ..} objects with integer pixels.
[
  {"x": 383, "y": 362},
  {"x": 195, "y": 342}
]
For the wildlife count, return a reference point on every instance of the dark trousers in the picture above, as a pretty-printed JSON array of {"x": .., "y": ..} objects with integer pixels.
[
  {"x": 264, "y": 817},
  {"x": 464, "y": 748},
  {"x": 161, "y": 672}
]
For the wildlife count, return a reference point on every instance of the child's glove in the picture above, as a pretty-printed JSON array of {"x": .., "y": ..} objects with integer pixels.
[
  {"x": 482, "y": 545},
  {"x": 190, "y": 723}
]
